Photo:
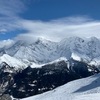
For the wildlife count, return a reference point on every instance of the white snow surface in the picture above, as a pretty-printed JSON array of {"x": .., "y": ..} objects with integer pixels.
[
  {"x": 75, "y": 57},
  {"x": 95, "y": 96},
  {"x": 82, "y": 89},
  {"x": 12, "y": 62}
]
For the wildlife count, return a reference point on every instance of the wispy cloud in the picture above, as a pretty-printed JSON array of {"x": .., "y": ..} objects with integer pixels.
[
  {"x": 61, "y": 28},
  {"x": 11, "y": 7},
  {"x": 9, "y": 10},
  {"x": 6, "y": 43},
  {"x": 56, "y": 30}
]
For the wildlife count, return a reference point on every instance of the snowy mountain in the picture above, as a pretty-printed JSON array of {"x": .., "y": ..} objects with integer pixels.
[
  {"x": 82, "y": 89},
  {"x": 42, "y": 51},
  {"x": 86, "y": 49},
  {"x": 38, "y": 51}
]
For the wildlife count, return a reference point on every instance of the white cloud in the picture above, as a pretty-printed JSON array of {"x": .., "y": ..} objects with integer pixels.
[
  {"x": 9, "y": 10},
  {"x": 61, "y": 28},
  {"x": 2, "y": 31},
  {"x": 6, "y": 43},
  {"x": 11, "y": 7},
  {"x": 54, "y": 30}
]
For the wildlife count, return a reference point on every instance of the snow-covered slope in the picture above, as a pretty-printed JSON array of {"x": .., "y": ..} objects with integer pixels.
[
  {"x": 87, "y": 49},
  {"x": 94, "y": 96},
  {"x": 38, "y": 51},
  {"x": 12, "y": 62},
  {"x": 82, "y": 89}
]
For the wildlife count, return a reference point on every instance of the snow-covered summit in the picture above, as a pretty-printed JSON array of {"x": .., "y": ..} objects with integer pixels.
[{"x": 86, "y": 49}]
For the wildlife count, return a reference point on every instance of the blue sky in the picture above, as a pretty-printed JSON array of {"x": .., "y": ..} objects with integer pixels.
[
  {"x": 52, "y": 9},
  {"x": 20, "y": 19}
]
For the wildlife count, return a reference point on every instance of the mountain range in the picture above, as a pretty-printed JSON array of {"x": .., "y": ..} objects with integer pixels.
[
  {"x": 30, "y": 68},
  {"x": 42, "y": 51}
]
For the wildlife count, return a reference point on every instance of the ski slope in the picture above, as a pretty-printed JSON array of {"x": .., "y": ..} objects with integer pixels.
[
  {"x": 82, "y": 89},
  {"x": 94, "y": 96}
]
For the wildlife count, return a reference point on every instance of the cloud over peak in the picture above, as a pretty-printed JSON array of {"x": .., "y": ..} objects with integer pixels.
[
  {"x": 82, "y": 26},
  {"x": 61, "y": 28}
]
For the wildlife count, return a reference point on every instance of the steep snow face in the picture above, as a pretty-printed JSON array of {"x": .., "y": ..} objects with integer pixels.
[
  {"x": 12, "y": 62},
  {"x": 80, "y": 49},
  {"x": 39, "y": 51},
  {"x": 81, "y": 89},
  {"x": 42, "y": 51},
  {"x": 87, "y": 49}
]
